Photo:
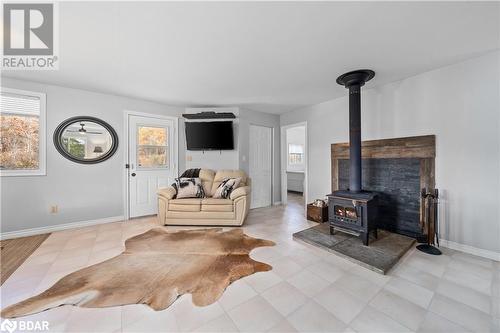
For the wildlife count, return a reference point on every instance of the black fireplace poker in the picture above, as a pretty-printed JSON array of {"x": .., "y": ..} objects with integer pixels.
[{"x": 354, "y": 81}]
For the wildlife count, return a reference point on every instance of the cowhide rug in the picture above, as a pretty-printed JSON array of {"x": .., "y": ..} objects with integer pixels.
[{"x": 156, "y": 267}]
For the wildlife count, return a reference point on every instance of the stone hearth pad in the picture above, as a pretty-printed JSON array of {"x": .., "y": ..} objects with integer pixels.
[{"x": 380, "y": 256}]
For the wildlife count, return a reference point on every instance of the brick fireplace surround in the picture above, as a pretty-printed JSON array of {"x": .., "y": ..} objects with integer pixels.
[{"x": 398, "y": 169}]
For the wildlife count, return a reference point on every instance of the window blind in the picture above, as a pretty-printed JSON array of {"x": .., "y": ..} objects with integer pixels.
[
  {"x": 295, "y": 149},
  {"x": 15, "y": 104}
]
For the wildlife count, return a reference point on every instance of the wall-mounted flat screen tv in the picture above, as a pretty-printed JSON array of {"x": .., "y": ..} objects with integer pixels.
[{"x": 212, "y": 135}]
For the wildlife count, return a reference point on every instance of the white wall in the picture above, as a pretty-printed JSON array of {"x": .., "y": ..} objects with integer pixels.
[
  {"x": 82, "y": 192},
  {"x": 460, "y": 105},
  {"x": 214, "y": 159}
]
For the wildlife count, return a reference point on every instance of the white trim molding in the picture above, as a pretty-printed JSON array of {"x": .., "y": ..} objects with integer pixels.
[
  {"x": 65, "y": 226},
  {"x": 470, "y": 249}
]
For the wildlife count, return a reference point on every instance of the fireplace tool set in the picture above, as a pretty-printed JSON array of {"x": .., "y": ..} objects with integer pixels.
[{"x": 430, "y": 200}]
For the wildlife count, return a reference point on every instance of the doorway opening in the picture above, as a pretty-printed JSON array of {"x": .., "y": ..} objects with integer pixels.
[{"x": 294, "y": 165}]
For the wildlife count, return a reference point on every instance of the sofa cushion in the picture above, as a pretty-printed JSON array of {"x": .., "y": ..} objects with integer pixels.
[
  {"x": 216, "y": 205},
  {"x": 200, "y": 215},
  {"x": 185, "y": 205},
  {"x": 217, "y": 208},
  {"x": 213, "y": 201},
  {"x": 223, "y": 174},
  {"x": 207, "y": 180},
  {"x": 186, "y": 201},
  {"x": 184, "y": 208}
]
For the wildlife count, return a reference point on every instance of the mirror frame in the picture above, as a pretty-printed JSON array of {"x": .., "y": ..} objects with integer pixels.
[{"x": 62, "y": 126}]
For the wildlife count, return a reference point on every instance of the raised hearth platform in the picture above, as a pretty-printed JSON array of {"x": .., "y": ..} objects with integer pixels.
[{"x": 382, "y": 254}]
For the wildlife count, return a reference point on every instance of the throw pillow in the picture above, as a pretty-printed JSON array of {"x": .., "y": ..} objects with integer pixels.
[
  {"x": 225, "y": 188},
  {"x": 188, "y": 188}
]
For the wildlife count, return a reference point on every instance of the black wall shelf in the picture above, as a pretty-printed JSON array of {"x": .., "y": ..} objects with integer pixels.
[{"x": 209, "y": 115}]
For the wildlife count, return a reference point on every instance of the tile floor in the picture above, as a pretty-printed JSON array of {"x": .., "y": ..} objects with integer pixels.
[{"x": 308, "y": 289}]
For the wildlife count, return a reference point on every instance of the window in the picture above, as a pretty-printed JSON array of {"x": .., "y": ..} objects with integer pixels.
[
  {"x": 22, "y": 133},
  {"x": 295, "y": 154},
  {"x": 152, "y": 148}
]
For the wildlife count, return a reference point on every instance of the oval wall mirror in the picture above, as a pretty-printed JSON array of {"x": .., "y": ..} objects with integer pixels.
[{"x": 86, "y": 140}]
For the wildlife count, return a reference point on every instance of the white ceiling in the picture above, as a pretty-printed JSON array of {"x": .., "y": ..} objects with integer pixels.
[{"x": 272, "y": 57}]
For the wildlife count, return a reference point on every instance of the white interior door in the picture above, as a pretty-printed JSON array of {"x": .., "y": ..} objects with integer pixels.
[
  {"x": 152, "y": 162},
  {"x": 260, "y": 164}
]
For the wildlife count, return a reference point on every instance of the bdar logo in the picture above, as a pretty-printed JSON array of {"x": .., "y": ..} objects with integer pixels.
[
  {"x": 9, "y": 326},
  {"x": 28, "y": 29}
]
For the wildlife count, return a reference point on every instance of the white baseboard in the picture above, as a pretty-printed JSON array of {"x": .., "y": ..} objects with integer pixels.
[
  {"x": 277, "y": 203},
  {"x": 470, "y": 249},
  {"x": 59, "y": 227}
]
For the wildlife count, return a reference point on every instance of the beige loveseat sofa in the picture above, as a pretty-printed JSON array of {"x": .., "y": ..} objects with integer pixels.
[{"x": 207, "y": 211}]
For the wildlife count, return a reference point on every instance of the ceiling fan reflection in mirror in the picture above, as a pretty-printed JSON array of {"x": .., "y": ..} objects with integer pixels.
[{"x": 82, "y": 130}]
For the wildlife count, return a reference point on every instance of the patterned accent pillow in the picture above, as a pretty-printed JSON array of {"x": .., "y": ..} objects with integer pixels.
[
  {"x": 188, "y": 188},
  {"x": 226, "y": 187}
]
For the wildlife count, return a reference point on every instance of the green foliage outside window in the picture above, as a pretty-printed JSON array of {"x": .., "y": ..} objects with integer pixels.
[{"x": 75, "y": 147}]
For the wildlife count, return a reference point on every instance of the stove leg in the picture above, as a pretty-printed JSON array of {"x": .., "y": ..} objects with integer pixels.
[
  {"x": 331, "y": 230},
  {"x": 364, "y": 238},
  {"x": 375, "y": 233}
]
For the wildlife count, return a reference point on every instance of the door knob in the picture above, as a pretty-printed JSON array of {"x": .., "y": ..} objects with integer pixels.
[{"x": 133, "y": 174}]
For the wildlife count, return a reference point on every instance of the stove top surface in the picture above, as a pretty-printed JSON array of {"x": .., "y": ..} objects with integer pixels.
[{"x": 363, "y": 195}]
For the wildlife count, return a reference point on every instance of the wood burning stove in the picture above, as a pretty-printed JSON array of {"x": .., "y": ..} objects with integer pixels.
[{"x": 354, "y": 211}]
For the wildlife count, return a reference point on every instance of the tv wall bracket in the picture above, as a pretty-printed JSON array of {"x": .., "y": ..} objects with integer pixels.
[
  {"x": 203, "y": 151},
  {"x": 209, "y": 115}
]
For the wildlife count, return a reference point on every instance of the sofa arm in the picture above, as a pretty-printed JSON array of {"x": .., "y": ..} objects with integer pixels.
[
  {"x": 167, "y": 192},
  {"x": 239, "y": 192}
]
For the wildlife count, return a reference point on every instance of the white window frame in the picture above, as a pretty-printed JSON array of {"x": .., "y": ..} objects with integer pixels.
[
  {"x": 288, "y": 155},
  {"x": 42, "y": 140}
]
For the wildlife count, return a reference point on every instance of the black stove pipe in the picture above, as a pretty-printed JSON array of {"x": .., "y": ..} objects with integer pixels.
[
  {"x": 354, "y": 138},
  {"x": 354, "y": 81}
]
